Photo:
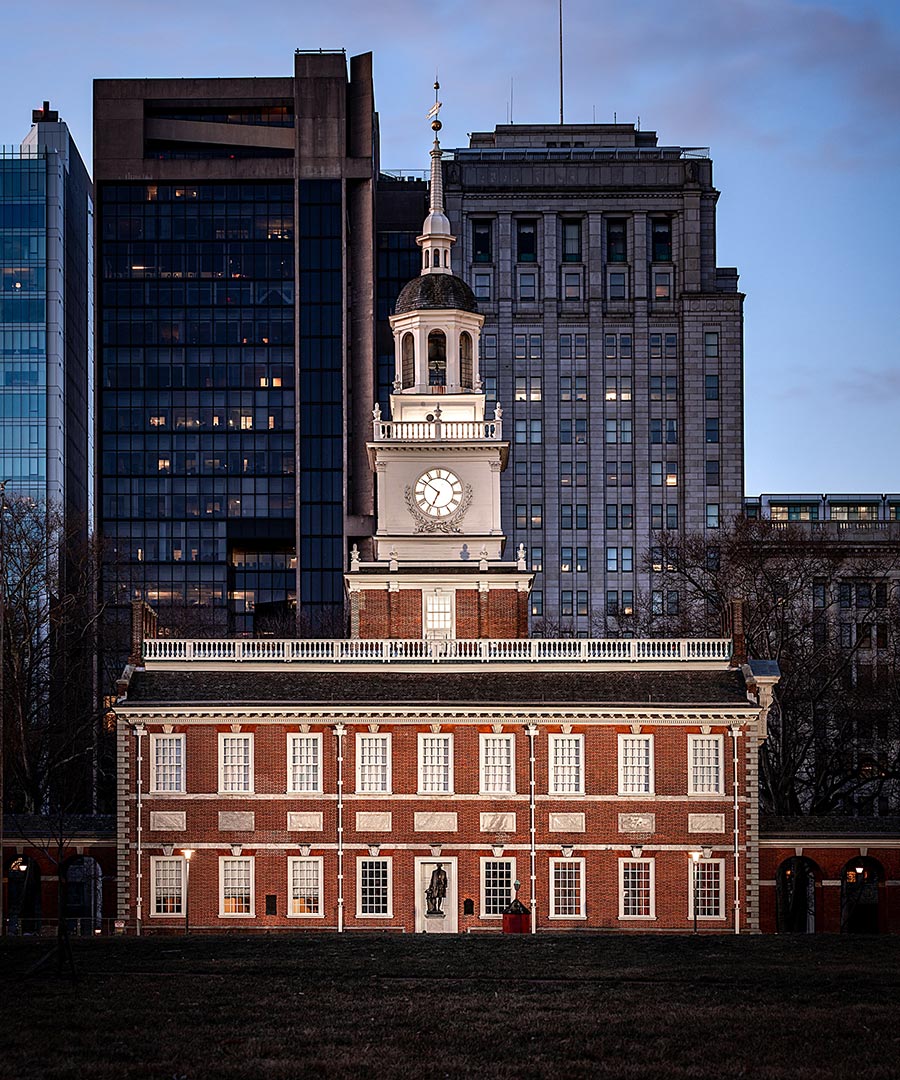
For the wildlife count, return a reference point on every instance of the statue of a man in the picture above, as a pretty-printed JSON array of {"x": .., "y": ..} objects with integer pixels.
[{"x": 437, "y": 890}]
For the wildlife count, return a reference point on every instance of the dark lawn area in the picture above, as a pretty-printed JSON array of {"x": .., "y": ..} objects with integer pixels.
[{"x": 305, "y": 1005}]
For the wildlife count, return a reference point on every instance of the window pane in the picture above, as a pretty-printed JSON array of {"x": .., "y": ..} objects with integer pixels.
[{"x": 497, "y": 885}]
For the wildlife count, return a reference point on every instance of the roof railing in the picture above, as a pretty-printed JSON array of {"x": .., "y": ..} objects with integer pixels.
[{"x": 435, "y": 651}]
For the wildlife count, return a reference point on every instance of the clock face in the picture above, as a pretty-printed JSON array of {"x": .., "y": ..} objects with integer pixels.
[{"x": 438, "y": 492}]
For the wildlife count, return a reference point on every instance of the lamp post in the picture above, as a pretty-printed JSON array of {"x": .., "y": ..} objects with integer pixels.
[
  {"x": 187, "y": 852},
  {"x": 695, "y": 856}
]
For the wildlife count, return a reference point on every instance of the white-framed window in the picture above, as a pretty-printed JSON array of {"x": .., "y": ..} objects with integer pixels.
[
  {"x": 305, "y": 888},
  {"x": 637, "y": 888},
  {"x": 706, "y": 880},
  {"x": 304, "y": 763},
  {"x": 497, "y": 892},
  {"x": 435, "y": 764},
  {"x": 373, "y": 764},
  {"x": 235, "y": 762},
  {"x": 167, "y": 880},
  {"x": 437, "y": 614},
  {"x": 167, "y": 757},
  {"x": 635, "y": 764},
  {"x": 705, "y": 772},
  {"x": 236, "y": 892},
  {"x": 374, "y": 888},
  {"x": 498, "y": 764},
  {"x": 567, "y": 889},
  {"x": 566, "y": 765}
]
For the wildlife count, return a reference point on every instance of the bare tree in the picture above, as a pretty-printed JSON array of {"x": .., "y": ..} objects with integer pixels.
[
  {"x": 53, "y": 715},
  {"x": 826, "y": 610}
]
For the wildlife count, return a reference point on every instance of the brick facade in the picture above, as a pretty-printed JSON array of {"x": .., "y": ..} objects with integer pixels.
[{"x": 599, "y": 825}]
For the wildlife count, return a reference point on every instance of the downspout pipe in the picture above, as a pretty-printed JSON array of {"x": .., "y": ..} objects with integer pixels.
[
  {"x": 339, "y": 731},
  {"x": 531, "y": 730},
  {"x": 735, "y": 735},
  {"x": 139, "y": 838}
]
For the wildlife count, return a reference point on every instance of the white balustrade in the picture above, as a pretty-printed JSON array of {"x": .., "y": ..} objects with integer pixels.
[
  {"x": 450, "y": 650},
  {"x": 424, "y": 430}
]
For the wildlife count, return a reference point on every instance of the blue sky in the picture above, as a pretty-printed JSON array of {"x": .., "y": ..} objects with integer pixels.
[{"x": 799, "y": 101}]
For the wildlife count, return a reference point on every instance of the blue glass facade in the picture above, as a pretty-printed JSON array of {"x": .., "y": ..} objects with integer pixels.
[
  {"x": 23, "y": 324},
  {"x": 196, "y": 311}
]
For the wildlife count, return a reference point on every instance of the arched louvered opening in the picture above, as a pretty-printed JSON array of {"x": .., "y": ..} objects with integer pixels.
[
  {"x": 407, "y": 362},
  {"x": 466, "y": 369},
  {"x": 437, "y": 359}
]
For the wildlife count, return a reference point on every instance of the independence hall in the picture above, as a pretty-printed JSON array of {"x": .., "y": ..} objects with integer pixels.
[{"x": 435, "y": 765}]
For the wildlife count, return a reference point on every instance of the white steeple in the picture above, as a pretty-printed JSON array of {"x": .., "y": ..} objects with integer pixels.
[{"x": 436, "y": 239}]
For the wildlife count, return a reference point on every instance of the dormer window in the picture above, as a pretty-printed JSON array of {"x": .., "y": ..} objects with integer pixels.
[{"x": 437, "y": 358}]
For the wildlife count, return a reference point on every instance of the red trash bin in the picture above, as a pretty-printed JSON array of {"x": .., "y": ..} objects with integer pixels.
[{"x": 516, "y": 918}]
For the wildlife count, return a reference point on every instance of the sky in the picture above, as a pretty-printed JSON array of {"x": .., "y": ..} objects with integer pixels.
[{"x": 798, "y": 101}]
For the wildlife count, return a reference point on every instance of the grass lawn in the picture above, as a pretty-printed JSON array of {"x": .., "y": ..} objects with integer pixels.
[{"x": 305, "y": 1005}]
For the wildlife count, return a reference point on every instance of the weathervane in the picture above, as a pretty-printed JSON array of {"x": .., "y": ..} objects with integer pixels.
[{"x": 432, "y": 113}]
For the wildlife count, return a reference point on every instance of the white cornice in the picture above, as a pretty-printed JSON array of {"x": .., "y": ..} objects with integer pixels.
[{"x": 363, "y": 715}]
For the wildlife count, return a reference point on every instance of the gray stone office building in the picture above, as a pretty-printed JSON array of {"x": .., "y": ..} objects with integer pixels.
[
  {"x": 235, "y": 337},
  {"x": 615, "y": 346}
]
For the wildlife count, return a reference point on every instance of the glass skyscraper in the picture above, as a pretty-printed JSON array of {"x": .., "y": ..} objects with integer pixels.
[
  {"x": 236, "y": 347},
  {"x": 45, "y": 336}
]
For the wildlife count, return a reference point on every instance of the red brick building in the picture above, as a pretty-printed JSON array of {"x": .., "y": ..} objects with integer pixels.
[{"x": 419, "y": 774}]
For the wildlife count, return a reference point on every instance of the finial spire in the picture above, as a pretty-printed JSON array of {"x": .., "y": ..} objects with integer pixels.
[
  {"x": 436, "y": 201},
  {"x": 436, "y": 237}
]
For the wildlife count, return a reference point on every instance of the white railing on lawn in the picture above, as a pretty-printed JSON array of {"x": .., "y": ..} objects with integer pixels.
[{"x": 385, "y": 651}]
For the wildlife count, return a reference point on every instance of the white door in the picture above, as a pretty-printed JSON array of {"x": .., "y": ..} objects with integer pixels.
[{"x": 436, "y": 913}]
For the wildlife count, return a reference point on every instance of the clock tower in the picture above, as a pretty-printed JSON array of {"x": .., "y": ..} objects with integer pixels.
[{"x": 438, "y": 569}]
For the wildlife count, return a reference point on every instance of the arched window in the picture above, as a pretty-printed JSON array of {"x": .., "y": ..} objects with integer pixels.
[
  {"x": 447, "y": 258},
  {"x": 465, "y": 361},
  {"x": 83, "y": 894},
  {"x": 437, "y": 358},
  {"x": 427, "y": 256},
  {"x": 407, "y": 362},
  {"x": 795, "y": 891},
  {"x": 860, "y": 881}
]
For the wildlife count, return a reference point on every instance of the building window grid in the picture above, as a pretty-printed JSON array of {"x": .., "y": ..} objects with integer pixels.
[
  {"x": 566, "y": 765},
  {"x": 435, "y": 764},
  {"x": 567, "y": 889},
  {"x": 637, "y": 891},
  {"x": 168, "y": 763},
  {"x": 497, "y": 877},
  {"x": 373, "y": 764},
  {"x": 304, "y": 763},
  {"x": 497, "y": 765},
  {"x": 168, "y": 885},
  {"x": 305, "y": 887},
  {"x": 237, "y": 886},
  {"x": 374, "y": 898},
  {"x": 706, "y": 764},
  {"x": 635, "y": 764},
  {"x": 707, "y": 881},
  {"x": 236, "y": 763}
]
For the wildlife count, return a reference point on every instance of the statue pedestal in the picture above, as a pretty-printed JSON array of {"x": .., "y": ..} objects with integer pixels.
[{"x": 435, "y": 914}]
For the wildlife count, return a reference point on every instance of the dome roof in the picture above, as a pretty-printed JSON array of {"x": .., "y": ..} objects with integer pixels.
[{"x": 435, "y": 291}]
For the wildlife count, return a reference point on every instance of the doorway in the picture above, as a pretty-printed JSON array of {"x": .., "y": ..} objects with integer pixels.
[{"x": 436, "y": 914}]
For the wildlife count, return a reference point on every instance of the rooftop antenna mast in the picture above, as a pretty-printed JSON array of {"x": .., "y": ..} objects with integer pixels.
[{"x": 561, "y": 62}]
